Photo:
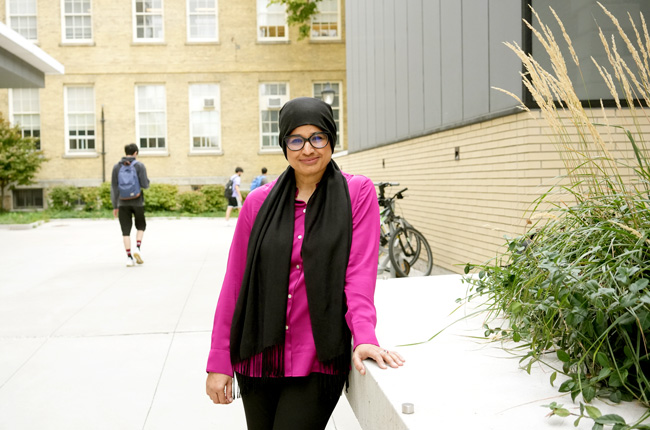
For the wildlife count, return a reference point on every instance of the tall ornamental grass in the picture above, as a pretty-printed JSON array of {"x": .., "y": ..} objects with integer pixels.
[{"x": 575, "y": 286}]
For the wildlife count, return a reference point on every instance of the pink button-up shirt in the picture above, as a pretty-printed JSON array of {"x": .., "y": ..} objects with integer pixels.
[{"x": 299, "y": 348}]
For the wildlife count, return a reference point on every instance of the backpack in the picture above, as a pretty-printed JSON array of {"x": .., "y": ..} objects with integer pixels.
[
  {"x": 128, "y": 183},
  {"x": 227, "y": 192},
  {"x": 257, "y": 182}
]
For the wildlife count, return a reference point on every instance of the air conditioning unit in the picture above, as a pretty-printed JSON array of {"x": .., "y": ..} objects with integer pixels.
[
  {"x": 208, "y": 104},
  {"x": 274, "y": 102}
]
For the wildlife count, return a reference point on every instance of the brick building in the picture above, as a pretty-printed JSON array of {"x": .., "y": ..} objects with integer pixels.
[{"x": 197, "y": 84}]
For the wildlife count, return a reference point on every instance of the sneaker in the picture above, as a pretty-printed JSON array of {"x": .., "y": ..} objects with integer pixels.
[
  {"x": 130, "y": 262},
  {"x": 137, "y": 254}
]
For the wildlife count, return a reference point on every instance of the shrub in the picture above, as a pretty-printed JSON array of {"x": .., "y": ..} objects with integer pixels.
[
  {"x": 105, "y": 195},
  {"x": 192, "y": 201},
  {"x": 160, "y": 197},
  {"x": 214, "y": 197},
  {"x": 64, "y": 197},
  {"x": 90, "y": 198}
]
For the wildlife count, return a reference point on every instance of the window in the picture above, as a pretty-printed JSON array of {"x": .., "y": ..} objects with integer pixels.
[
  {"x": 77, "y": 21},
  {"x": 148, "y": 20},
  {"x": 202, "y": 22},
  {"x": 80, "y": 119},
  {"x": 28, "y": 199},
  {"x": 151, "y": 119},
  {"x": 271, "y": 21},
  {"x": 336, "y": 106},
  {"x": 272, "y": 97},
  {"x": 21, "y": 15},
  {"x": 205, "y": 128},
  {"x": 325, "y": 25},
  {"x": 26, "y": 112}
]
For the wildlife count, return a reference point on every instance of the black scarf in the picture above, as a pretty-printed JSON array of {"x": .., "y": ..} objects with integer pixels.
[{"x": 258, "y": 326}]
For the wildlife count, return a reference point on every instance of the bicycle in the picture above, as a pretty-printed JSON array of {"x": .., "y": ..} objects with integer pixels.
[{"x": 406, "y": 251}]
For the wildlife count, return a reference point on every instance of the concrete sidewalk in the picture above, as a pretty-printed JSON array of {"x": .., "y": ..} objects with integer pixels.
[{"x": 88, "y": 343}]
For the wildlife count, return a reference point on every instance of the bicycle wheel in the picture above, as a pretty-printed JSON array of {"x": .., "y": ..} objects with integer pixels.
[{"x": 410, "y": 253}]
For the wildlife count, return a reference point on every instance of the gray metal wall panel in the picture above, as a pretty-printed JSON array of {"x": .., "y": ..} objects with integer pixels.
[
  {"x": 401, "y": 70},
  {"x": 452, "y": 61},
  {"x": 380, "y": 75},
  {"x": 505, "y": 20},
  {"x": 476, "y": 71},
  {"x": 431, "y": 64},
  {"x": 415, "y": 67},
  {"x": 389, "y": 60},
  {"x": 352, "y": 72}
]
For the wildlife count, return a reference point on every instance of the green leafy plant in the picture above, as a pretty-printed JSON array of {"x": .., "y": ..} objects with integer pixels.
[
  {"x": 90, "y": 198},
  {"x": 300, "y": 13},
  {"x": 193, "y": 202},
  {"x": 575, "y": 286},
  {"x": 19, "y": 159},
  {"x": 160, "y": 197},
  {"x": 64, "y": 197},
  {"x": 105, "y": 195},
  {"x": 214, "y": 197}
]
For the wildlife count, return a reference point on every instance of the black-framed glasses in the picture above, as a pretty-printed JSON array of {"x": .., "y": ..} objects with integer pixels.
[{"x": 317, "y": 140}]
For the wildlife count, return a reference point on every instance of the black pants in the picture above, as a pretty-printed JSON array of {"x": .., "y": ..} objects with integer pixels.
[
  {"x": 125, "y": 214},
  {"x": 298, "y": 403}
]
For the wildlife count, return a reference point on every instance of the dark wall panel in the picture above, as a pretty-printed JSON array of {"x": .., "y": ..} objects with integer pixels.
[{"x": 504, "y": 64}]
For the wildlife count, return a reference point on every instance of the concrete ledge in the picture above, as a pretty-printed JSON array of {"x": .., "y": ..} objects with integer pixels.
[{"x": 458, "y": 380}]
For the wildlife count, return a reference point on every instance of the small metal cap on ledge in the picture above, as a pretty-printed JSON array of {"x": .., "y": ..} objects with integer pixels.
[{"x": 408, "y": 408}]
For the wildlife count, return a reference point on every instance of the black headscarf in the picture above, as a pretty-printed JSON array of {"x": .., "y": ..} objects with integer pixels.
[
  {"x": 258, "y": 327},
  {"x": 306, "y": 111}
]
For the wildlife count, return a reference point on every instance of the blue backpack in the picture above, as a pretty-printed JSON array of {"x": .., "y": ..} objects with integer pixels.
[
  {"x": 128, "y": 183},
  {"x": 256, "y": 182}
]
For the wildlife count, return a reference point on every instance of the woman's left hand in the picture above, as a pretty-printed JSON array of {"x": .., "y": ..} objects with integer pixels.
[{"x": 380, "y": 355}]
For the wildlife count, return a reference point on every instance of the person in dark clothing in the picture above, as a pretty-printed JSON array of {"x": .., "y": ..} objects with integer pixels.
[{"x": 127, "y": 209}]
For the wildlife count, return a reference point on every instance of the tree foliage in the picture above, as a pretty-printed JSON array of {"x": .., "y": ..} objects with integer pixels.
[
  {"x": 300, "y": 12},
  {"x": 19, "y": 159}
]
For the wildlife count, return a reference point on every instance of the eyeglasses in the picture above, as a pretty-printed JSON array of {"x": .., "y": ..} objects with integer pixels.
[{"x": 317, "y": 140}]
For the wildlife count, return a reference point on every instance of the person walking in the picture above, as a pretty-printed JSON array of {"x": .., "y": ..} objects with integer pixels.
[
  {"x": 259, "y": 180},
  {"x": 296, "y": 306},
  {"x": 235, "y": 199},
  {"x": 128, "y": 179}
]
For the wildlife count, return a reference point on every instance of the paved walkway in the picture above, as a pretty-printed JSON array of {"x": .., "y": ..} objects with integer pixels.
[{"x": 88, "y": 343}]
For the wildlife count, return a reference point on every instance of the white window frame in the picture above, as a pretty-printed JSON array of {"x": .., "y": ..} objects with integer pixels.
[
  {"x": 337, "y": 107},
  {"x": 270, "y": 102},
  {"x": 142, "y": 112},
  {"x": 30, "y": 108},
  {"x": 321, "y": 16},
  {"x": 76, "y": 15},
  {"x": 266, "y": 12},
  {"x": 31, "y": 17},
  {"x": 198, "y": 13},
  {"x": 158, "y": 13},
  {"x": 80, "y": 112},
  {"x": 205, "y": 101}
]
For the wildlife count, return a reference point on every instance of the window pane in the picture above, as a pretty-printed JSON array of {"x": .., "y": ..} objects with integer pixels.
[
  {"x": 80, "y": 111},
  {"x": 149, "y": 19},
  {"x": 205, "y": 116},
  {"x": 22, "y": 18},
  {"x": 326, "y": 24},
  {"x": 151, "y": 116}
]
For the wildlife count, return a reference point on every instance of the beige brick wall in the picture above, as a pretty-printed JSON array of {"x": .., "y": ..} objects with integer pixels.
[
  {"x": 466, "y": 207},
  {"x": 114, "y": 65}
]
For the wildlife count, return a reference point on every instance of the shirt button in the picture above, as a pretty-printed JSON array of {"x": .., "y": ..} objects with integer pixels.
[
  {"x": 298, "y": 266},
  {"x": 286, "y": 327},
  {"x": 304, "y": 211},
  {"x": 300, "y": 236},
  {"x": 289, "y": 295}
]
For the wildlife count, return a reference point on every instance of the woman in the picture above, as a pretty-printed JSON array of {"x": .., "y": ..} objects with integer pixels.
[{"x": 293, "y": 300}]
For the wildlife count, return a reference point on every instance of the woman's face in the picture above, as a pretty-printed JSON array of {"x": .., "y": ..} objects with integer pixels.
[{"x": 309, "y": 161}]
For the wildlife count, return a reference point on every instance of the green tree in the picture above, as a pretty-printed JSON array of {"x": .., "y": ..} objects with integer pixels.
[
  {"x": 300, "y": 12},
  {"x": 19, "y": 159}
]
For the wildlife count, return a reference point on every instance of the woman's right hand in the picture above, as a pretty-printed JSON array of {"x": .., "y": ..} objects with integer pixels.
[{"x": 219, "y": 388}]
